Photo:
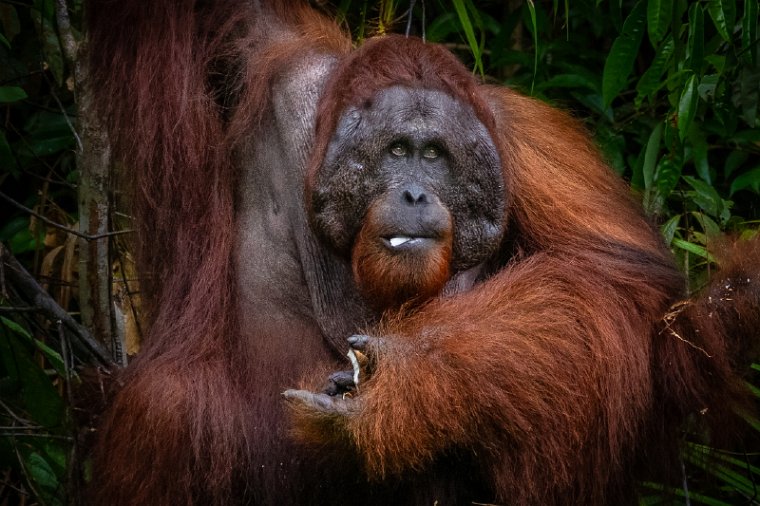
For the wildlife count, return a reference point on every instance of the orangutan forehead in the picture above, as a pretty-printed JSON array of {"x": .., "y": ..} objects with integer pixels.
[
  {"x": 413, "y": 111},
  {"x": 410, "y": 102}
]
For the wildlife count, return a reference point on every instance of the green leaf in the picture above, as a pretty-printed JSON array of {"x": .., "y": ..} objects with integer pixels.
[
  {"x": 612, "y": 145},
  {"x": 749, "y": 32},
  {"x": 55, "y": 358},
  {"x": 723, "y": 13},
  {"x": 10, "y": 94},
  {"x": 569, "y": 81},
  {"x": 707, "y": 87},
  {"x": 699, "y": 152},
  {"x": 687, "y": 106},
  {"x": 56, "y": 454},
  {"x": 665, "y": 180},
  {"x": 40, "y": 399},
  {"x": 696, "y": 43},
  {"x": 658, "y": 19},
  {"x": 41, "y": 472},
  {"x": 442, "y": 26},
  {"x": 49, "y": 133},
  {"x": 670, "y": 493},
  {"x": 751, "y": 135},
  {"x": 669, "y": 228},
  {"x": 616, "y": 14},
  {"x": 13, "y": 226},
  {"x": 43, "y": 476},
  {"x": 695, "y": 249},
  {"x": 711, "y": 228},
  {"x": 15, "y": 327},
  {"x": 666, "y": 177},
  {"x": 650, "y": 155},
  {"x": 749, "y": 96},
  {"x": 749, "y": 180},
  {"x": 734, "y": 160},
  {"x": 706, "y": 197},
  {"x": 469, "y": 32},
  {"x": 732, "y": 478},
  {"x": 651, "y": 80},
  {"x": 622, "y": 56},
  {"x": 45, "y": 9},
  {"x": 534, "y": 24},
  {"x": 23, "y": 240}
]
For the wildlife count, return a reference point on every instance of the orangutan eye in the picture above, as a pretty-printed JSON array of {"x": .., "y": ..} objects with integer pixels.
[
  {"x": 398, "y": 150},
  {"x": 430, "y": 153}
]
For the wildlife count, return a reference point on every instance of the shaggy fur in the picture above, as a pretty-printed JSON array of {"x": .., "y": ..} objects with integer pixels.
[{"x": 571, "y": 357}]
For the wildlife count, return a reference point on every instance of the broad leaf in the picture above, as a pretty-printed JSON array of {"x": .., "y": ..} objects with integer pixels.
[
  {"x": 707, "y": 198},
  {"x": 650, "y": 155},
  {"x": 658, "y": 19},
  {"x": 695, "y": 249},
  {"x": 696, "y": 44},
  {"x": 723, "y": 13},
  {"x": 750, "y": 180},
  {"x": 687, "y": 106},
  {"x": 651, "y": 80},
  {"x": 9, "y": 94},
  {"x": 39, "y": 397},
  {"x": 699, "y": 152},
  {"x": 623, "y": 53},
  {"x": 669, "y": 228},
  {"x": 750, "y": 44}
]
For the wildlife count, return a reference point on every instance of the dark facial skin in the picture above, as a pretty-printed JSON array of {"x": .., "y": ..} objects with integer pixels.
[{"x": 415, "y": 172}]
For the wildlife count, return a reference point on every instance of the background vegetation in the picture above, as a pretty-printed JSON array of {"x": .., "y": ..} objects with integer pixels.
[{"x": 668, "y": 88}]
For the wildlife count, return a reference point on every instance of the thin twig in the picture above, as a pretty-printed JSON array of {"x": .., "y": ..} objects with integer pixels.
[
  {"x": 63, "y": 111},
  {"x": 671, "y": 317},
  {"x": 17, "y": 309},
  {"x": 23, "y": 421},
  {"x": 37, "y": 434},
  {"x": 59, "y": 226},
  {"x": 19, "y": 491}
]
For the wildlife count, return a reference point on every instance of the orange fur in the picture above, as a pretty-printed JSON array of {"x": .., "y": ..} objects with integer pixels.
[
  {"x": 390, "y": 280},
  {"x": 543, "y": 384}
]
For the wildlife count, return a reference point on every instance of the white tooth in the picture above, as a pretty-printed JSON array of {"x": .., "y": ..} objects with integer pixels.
[{"x": 398, "y": 241}]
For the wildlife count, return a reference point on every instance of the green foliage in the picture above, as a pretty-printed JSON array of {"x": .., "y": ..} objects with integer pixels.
[
  {"x": 35, "y": 432},
  {"x": 37, "y": 169},
  {"x": 674, "y": 112},
  {"x": 623, "y": 53}
]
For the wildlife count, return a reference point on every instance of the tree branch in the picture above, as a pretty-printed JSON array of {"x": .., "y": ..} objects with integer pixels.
[{"x": 39, "y": 298}]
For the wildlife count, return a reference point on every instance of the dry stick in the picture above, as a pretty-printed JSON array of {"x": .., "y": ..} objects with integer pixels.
[{"x": 40, "y": 299}]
